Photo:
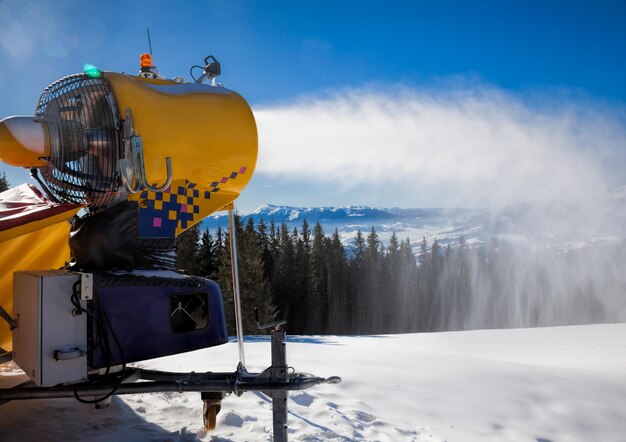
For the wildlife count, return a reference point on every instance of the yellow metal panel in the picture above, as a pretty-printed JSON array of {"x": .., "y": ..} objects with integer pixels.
[
  {"x": 209, "y": 133},
  {"x": 35, "y": 225},
  {"x": 46, "y": 248}
]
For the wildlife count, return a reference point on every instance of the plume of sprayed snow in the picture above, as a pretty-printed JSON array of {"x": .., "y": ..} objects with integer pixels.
[
  {"x": 465, "y": 147},
  {"x": 474, "y": 147},
  {"x": 524, "y": 288}
]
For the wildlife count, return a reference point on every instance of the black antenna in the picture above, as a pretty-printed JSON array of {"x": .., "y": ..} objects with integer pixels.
[{"x": 149, "y": 42}]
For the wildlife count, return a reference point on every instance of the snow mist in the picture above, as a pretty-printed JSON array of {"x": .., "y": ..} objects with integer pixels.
[
  {"x": 475, "y": 145},
  {"x": 541, "y": 288}
]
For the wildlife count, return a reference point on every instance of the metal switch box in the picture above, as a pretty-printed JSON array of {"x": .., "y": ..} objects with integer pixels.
[{"x": 49, "y": 342}]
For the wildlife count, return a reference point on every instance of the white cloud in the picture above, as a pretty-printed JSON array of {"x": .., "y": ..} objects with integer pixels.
[
  {"x": 28, "y": 28},
  {"x": 472, "y": 146}
]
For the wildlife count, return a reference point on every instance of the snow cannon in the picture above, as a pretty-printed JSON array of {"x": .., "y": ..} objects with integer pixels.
[
  {"x": 181, "y": 150},
  {"x": 131, "y": 161}
]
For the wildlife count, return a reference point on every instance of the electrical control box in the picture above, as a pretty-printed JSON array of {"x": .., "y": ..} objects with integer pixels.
[
  {"x": 50, "y": 339},
  {"x": 123, "y": 317}
]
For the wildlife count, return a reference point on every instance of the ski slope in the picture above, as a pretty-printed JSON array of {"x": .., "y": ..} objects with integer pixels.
[{"x": 544, "y": 384}]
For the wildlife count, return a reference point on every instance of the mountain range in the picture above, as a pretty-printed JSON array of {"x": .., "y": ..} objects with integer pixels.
[{"x": 563, "y": 225}]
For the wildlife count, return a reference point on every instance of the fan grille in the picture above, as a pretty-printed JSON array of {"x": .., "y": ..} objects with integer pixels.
[{"x": 80, "y": 113}]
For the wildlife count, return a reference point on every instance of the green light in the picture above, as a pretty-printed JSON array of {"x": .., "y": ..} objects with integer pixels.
[{"x": 92, "y": 71}]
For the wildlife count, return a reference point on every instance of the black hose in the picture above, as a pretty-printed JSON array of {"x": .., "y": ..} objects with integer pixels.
[{"x": 103, "y": 326}]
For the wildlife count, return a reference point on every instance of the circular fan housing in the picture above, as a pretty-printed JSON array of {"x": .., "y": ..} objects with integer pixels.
[{"x": 81, "y": 119}]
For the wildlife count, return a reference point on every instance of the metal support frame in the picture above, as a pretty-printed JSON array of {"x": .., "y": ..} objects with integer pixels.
[
  {"x": 276, "y": 374},
  {"x": 275, "y": 381},
  {"x": 160, "y": 381},
  {"x": 236, "y": 297},
  {"x": 279, "y": 375}
]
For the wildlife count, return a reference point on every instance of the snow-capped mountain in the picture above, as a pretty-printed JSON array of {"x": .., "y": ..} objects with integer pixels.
[
  {"x": 562, "y": 224},
  {"x": 444, "y": 224},
  {"x": 318, "y": 214}
]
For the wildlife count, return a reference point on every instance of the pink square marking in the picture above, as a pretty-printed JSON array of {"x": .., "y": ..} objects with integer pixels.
[{"x": 156, "y": 222}]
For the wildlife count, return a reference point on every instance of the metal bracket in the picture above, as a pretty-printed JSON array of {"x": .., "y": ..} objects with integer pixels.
[
  {"x": 276, "y": 324},
  {"x": 86, "y": 286},
  {"x": 133, "y": 172},
  {"x": 212, "y": 69}
]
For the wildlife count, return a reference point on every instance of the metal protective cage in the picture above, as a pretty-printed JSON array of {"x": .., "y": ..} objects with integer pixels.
[{"x": 80, "y": 115}]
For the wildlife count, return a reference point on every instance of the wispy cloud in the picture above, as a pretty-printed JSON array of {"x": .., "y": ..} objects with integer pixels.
[
  {"x": 469, "y": 146},
  {"x": 29, "y": 28}
]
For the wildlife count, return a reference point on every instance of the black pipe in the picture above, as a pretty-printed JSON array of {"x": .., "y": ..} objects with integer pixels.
[
  {"x": 155, "y": 375},
  {"x": 8, "y": 318},
  {"x": 225, "y": 386}
]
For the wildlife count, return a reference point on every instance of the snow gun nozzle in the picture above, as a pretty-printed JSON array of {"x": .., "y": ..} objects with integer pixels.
[{"x": 23, "y": 142}]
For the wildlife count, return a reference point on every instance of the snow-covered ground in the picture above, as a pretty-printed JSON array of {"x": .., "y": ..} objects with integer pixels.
[{"x": 544, "y": 384}]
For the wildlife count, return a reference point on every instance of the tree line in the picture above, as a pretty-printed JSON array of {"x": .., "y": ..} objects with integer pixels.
[{"x": 306, "y": 277}]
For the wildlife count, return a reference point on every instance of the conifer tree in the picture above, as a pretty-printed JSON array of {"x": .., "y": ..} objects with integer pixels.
[
  {"x": 359, "y": 246},
  {"x": 339, "y": 308},
  {"x": 254, "y": 287},
  {"x": 391, "y": 281},
  {"x": 4, "y": 182},
  {"x": 308, "y": 310},
  {"x": 284, "y": 280},
  {"x": 408, "y": 306},
  {"x": 318, "y": 274},
  {"x": 357, "y": 285},
  {"x": 374, "y": 293},
  {"x": 207, "y": 256},
  {"x": 224, "y": 277},
  {"x": 435, "y": 292},
  {"x": 266, "y": 252},
  {"x": 423, "y": 253},
  {"x": 457, "y": 291},
  {"x": 464, "y": 288},
  {"x": 424, "y": 291},
  {"x": 187, "y": 248}
]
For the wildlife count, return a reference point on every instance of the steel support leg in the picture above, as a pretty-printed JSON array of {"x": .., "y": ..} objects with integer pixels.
[
  {"x": 236, "y": 297},
  {"x": 279, "y": 374},
  {"x": 104, "y": 404}
]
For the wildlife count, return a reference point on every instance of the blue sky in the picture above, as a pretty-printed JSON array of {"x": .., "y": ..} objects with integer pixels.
[{"x": 530, "y": 69}]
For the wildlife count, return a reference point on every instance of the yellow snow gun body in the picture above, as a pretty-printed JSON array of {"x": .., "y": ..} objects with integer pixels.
[{"x": 180, "y": 150}]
